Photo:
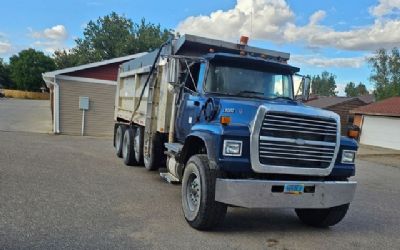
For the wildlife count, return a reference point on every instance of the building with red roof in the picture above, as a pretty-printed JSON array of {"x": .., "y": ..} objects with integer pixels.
[{"x": 380, "y": 123}]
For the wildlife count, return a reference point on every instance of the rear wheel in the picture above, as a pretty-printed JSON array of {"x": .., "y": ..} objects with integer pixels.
[
  {"x": 127, "y": 148},
  {"x": 322, "y": 217},
  {"x": 156, "y": 156},
  {"x": 200, "y": 209},
  {"x": 138, "y": 145},
  {"x": 118, "y": 138}
]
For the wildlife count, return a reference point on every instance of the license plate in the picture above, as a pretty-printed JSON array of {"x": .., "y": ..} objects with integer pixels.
[{"x": 293, "y": 189}]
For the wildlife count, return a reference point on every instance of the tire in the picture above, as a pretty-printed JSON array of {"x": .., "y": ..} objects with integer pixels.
[
  {"x": 138, "y": 145},
  {"x": 322, "y": 217},
  {"x": 200, "y": 209},
  {"x": 127, "y": 148},
  {"x": 157, "y": 157},
  {"x": 118, "y": 138}
]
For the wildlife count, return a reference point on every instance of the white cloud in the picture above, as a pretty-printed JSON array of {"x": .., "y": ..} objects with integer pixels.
[
  {"x": 324, "y": 62},
  {"x": 50, "y": 39},
  {"x": 275, "y": 21},
  {"x": 263, "y": 20},
  {"x": 385, "y": 7},
  {"x": 5, "y": 47},
  {"x": 340, "y": 87},
  {"x": 58, "y": 32}
]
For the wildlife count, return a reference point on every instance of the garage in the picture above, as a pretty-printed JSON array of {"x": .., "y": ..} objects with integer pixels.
[
  {"x": 380, "y": 123},
  {"x": 83, "y": 97},
  {"x": 381, "y": 131}
]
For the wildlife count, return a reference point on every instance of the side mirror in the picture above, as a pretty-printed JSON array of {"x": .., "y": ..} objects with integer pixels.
[
  {"x": 173, "y": 70},
  {"x": 302, "y": 86},
  {"x": 306, "y": 88}
]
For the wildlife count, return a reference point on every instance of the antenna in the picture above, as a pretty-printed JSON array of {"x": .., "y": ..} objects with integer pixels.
[{"x": 251, "y": 18}]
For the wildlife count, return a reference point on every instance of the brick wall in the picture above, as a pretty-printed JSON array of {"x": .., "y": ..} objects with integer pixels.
[{"x": 343, "y": 110}]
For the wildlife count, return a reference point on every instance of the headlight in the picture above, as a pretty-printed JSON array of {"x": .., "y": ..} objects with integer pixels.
[
  {"x": 348, "y": 156},
  {"x": 232, "y": 148}
]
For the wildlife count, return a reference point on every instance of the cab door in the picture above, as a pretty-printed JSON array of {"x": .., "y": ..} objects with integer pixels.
[{"x": 190, "y": 102}]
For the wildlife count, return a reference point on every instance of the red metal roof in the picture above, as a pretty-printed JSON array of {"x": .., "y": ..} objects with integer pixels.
[
  {"x": 387, "y": 107},
  {"x": 104, "y": 72}
]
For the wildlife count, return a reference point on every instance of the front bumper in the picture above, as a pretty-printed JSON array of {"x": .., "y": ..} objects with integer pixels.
[{"x": 252, "y": 193}]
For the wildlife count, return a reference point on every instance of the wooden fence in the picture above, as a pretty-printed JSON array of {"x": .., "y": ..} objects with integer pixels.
[{"x": 26, "y": 94}]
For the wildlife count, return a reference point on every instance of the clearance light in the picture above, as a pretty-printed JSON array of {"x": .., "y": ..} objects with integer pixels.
[
  {"x": 244, "y": 40},
  {"x": 225, "y": 120},
  {"x": 211, "y": 50}
]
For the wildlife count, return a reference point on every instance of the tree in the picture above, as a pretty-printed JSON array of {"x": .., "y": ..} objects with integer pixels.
[
  {"x": 5, "y": 80},
  {"x": 27, "y": 68},
  {"x": 385, "y": 73},
  {"x": 324, "y": 85},
  {"x": 65, "y": 59},
  {"x": 112, "y": 36},
  {"x": 352, "y": 90}
]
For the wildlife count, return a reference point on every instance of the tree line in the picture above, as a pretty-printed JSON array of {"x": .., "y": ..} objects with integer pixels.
[
  {"x": 114, "y": 36},
  {"x": 107, "y": 37}
]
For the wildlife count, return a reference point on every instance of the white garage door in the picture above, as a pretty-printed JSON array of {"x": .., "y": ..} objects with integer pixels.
[{"x": 381, "y": 131}]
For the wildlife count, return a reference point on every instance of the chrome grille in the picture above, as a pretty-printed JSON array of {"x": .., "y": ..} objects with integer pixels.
[{"x": 295, "y": 140}]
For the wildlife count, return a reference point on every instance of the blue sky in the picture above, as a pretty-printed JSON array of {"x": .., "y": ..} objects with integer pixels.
[{"x": 329, "y": 35}]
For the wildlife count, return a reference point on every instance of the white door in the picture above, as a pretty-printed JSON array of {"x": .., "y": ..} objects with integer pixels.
[{"x": 381, "y": 131}]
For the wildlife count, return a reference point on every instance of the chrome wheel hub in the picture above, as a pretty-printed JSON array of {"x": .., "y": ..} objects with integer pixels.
[{"x": 193, "y": 192}]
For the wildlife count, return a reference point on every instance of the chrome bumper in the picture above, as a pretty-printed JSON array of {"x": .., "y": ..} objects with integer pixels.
[{"x": 263, "y": 193}]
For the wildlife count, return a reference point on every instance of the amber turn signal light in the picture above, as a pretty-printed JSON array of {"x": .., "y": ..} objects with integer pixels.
[
  {"x": 353, "y": 134},
  {"x": 225, "y": 120}
]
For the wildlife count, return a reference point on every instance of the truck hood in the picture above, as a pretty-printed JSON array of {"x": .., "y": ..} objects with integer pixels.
[{"x": 243, "y": 110}]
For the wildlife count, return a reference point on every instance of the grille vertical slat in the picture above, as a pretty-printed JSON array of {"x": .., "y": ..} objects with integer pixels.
[{"x": 294, "y": 140}]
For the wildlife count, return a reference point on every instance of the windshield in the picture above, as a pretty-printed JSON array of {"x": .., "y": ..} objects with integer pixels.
[{"x": 248, "y": 82}]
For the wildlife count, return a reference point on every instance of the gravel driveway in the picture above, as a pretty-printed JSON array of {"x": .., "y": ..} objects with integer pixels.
[
  {"x": 60, "y": 192},
  {"x": 25, "y": 115}
]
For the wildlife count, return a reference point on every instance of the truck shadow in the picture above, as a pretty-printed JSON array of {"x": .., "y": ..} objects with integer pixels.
[
  {"x": 260, "y": 220},
  {"x": 284, "y": 220}
]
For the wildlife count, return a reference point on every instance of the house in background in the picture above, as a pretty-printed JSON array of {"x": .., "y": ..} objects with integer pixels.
[
  {"x": 341, "y": 106},
  {"x": 380, "y": 123},
  {"x": 96, "y": 83}
]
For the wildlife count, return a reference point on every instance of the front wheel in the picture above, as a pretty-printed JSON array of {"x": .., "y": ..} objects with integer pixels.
[
  {"x": 322, "y": 217},
  {"x": 200, "y": 209}
]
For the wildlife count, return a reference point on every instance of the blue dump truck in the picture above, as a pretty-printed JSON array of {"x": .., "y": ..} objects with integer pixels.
[{"x": 228, "y": 122}]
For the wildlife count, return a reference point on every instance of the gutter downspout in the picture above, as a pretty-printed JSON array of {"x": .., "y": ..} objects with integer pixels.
[{"x": 56, "y": 103}]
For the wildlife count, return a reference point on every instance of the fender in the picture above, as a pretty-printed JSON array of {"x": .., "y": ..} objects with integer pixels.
[{"x": 209, "y": 139}]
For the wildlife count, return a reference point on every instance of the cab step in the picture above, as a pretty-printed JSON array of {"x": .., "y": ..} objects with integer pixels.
[{"x": 169, "y": 178}]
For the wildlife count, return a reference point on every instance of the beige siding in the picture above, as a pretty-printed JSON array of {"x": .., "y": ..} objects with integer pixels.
[{"x": 99, "y": 117}]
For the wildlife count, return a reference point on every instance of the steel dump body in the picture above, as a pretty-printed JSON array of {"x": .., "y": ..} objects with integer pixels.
[{"x": 133, "y": 74}]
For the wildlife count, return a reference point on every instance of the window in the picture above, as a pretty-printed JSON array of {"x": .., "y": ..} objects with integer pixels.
[{"x": 244, "y": 81}]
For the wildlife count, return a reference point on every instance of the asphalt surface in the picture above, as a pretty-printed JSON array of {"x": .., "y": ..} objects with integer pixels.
[
  {"x": 25, "y": 115},
  {"x": 59, "y": 192}
]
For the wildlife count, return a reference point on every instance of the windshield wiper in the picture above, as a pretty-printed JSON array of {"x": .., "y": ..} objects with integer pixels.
[
  {"x": 221, "y": 93},
  {"x": 249, "y": 92},
  {"x": 282, "y": 97}
]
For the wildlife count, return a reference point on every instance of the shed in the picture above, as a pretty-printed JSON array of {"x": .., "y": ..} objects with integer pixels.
[
  {"x": 95, "y": 82},
  {"x": 341, "y": 106},
  {"x": 380, "y": 123}
]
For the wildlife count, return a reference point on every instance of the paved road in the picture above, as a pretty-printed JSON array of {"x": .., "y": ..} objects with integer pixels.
[
  {"x": 70, "y": 192},
  {"x": 25, "y": 115}
]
